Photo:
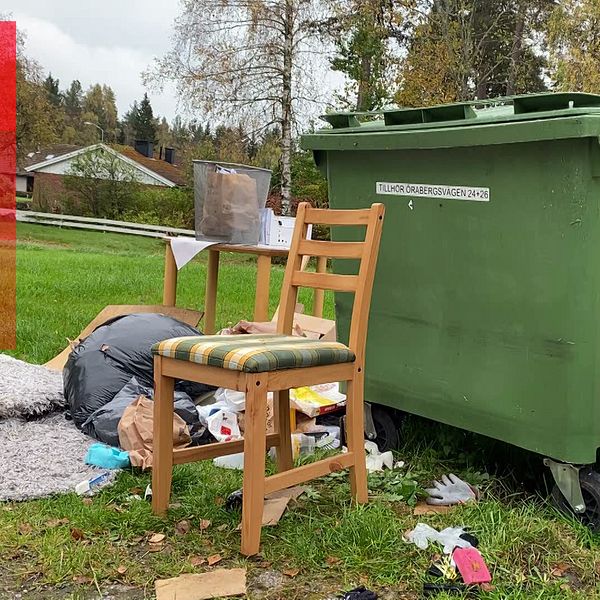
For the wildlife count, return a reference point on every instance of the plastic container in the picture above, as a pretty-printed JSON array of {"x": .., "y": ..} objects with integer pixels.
[
  {"x": 302, "y": 444},
  {"x": 228, "y": 200}
]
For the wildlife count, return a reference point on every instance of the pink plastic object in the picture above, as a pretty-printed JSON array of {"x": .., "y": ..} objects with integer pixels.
[{"x": 471, "y": 566}]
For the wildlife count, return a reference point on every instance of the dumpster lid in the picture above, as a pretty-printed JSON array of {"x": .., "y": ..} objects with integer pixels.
[
  {"x": 493, "y": 121},
  {"x": 510, "y": 108}
]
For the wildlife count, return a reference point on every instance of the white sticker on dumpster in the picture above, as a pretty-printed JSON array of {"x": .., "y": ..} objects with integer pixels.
[{"x": 431, "y": 190}]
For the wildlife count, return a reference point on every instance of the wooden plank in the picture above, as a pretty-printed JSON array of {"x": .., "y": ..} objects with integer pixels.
[
  {"x": 320, "y": 468},
  {"x": 196, "y": 453},
  {"x": 128, "y": 224},
  {"x": 261, "y": 298},
  {"x": 325, "y": 281},
  {"x": 190, "y": 371},
  {"x": 210, "y": 296},
  {"x": 170, "y": 279},
  {"x": 331, "y": 249},
  {"x": 293, "y": 378},
  {"x": 319, "y": 295},
  {"x": 162, "y": 439},
  {"x": 259, "y": 249},
  {"x": 325, "y": 216},
  {"x": 255, "y": 448},
  {"x": 107, "y": 229}
]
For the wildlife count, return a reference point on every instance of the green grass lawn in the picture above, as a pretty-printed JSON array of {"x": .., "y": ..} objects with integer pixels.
[{"x": 69, "y": 548}]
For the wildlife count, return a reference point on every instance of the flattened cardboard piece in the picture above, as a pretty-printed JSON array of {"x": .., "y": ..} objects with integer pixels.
[
  {"x": 190, "y": 317},
  {"x": 276, "y": 503},
  {"x": 292, "y": 493},
  {"x": 422, "y": 508},
  {"x": 313, "y": 327},
  {"x": 273, "y": 510},
  {"x": 220, "y": 583}
]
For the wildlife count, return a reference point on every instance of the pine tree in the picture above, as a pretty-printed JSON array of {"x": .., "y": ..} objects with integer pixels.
[
  {"x": 72, "y": 99},
  {"x": 144, "y": 125},
  {"x": 51, "y": 86}
]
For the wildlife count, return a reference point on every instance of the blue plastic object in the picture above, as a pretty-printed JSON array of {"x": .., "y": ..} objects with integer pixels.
[{"x": 107, "y": 457}]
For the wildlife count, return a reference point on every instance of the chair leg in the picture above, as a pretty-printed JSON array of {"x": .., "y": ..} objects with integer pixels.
[
  {"x": 355, "y": 433},
  {"x": 281, "y": 409},
  {"x": 254, "y": 464},
  {"x": 162, "y": 446}
]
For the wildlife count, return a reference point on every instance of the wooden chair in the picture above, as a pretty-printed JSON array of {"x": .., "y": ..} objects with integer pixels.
[{"x": 257, "y": 364}]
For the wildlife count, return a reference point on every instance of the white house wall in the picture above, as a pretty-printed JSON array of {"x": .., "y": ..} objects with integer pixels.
[{"x": 64, "y": 168}]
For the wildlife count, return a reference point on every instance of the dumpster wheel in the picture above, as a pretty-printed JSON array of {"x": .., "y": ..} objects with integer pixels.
[
  {"x": 590, "y": 490},
  {"x": 385, "y": 428}
]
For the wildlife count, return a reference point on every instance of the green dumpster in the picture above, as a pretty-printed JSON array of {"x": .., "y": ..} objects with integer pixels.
[{"x": 486, "y": 306}]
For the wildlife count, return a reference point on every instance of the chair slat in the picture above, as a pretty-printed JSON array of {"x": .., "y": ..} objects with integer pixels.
[
  {"x": 331, "y": 249},
  {"x": 325, "y": 281},
  {"x": 323, "y": 216}
]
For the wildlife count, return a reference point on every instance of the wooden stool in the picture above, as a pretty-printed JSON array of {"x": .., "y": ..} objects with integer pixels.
[{"x": 257, "y": 364}]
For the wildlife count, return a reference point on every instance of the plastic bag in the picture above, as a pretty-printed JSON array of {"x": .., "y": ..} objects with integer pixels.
[
  {"x": 449, "y": 538},
  {"x": 224, "y": 426},
  {"x": 102, "y": 424},
  {"x": 101, "y": 364}
]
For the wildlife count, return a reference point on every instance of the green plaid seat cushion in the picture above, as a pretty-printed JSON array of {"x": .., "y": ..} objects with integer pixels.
[{"x": 255, "y": 353}]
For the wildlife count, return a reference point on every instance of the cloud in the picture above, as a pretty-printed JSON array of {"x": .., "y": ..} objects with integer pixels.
[{"x": 115, "y": 64}]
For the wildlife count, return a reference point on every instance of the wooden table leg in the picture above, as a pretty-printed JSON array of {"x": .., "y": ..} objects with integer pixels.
[
  {"x": 170, "y": 283},
  {"x": 261, "y": 300},
  {"x": 210, "y": 298},
  {"x": 319, "y": 297}
]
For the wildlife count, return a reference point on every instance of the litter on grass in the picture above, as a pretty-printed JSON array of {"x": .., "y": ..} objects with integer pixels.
[
  {"x": 220, "y": 583},
  {"x": 451, "y": 490},
  {"x": 422, "y": 535}
]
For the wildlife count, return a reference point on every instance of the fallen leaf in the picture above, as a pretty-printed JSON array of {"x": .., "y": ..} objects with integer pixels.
[
  {"x": 157, "y": 538},
  {"x": 213, "y": 559},
  {"x": 197, "y": 561},
  {"x": 219, "y": 501},
  {"x": 222, "y": 527},
  {"x": 333, "y": 560},
  {"x": 204, "y": 524},
  {"x": 137, "y": 539},
  {"x": 559, "y": 569},
  {"x": 265, "y": 564},
  {"x": 87, "y": 501},
  {"x": 82, "y": 579},
  {"x": 56, "y": 522},
  {"x": 291, "y": 572},
  {"x": 25, "y": 528},
  {"x": 136, "y": 490},
  {"x": 565, "y": 587},
  {"x": 77, "y": 534},
  {"x": 121, "y": 569},
  {"x": 182, "y": 527},
  {"x": 155, "y": 547},
  {"x": 487, "y": 587},
  {"x": 175, "y": 505}
]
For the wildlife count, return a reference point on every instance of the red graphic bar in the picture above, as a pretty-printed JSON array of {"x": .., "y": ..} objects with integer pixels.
[{"x": 8, "y": 168}]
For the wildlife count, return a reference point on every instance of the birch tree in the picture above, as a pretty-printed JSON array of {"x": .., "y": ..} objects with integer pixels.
[{"x": 250, "y": 61}]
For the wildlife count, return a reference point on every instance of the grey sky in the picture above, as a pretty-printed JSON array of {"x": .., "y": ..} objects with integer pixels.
[{"x": 99, "y": 41}]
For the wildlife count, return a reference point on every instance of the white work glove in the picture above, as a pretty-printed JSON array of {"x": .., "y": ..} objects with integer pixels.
[{"x": 451, "y": 490}]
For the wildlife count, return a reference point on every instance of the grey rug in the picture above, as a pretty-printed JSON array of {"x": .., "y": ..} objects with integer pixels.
[
  {"x": 42, "y": 457},
  {"x": 28, "y": 390}
]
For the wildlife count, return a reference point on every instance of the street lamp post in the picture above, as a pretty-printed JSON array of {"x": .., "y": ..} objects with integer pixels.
[{"x": 97, "y": 127}]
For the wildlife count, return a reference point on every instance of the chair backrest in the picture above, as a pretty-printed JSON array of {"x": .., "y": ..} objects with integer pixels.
[{"x": 361, "y": 284}]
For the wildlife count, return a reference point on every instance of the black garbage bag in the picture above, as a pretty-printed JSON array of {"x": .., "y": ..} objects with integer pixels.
[
  {"x": 103, "y": 423},
  {"x": 104, "y": 362}
]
